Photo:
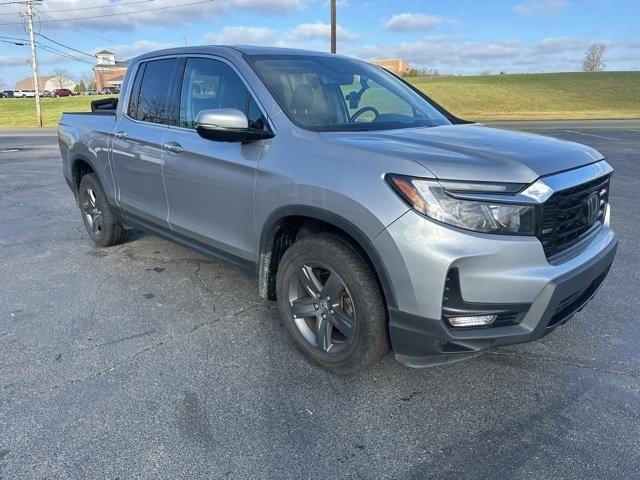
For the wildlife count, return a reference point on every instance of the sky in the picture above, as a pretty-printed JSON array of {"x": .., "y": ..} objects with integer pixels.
[{"x": 455, "y": 36}]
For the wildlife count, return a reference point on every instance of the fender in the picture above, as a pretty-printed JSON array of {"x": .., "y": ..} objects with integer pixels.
[
  {"x": 269, "y": 230},
  {"x": 81, "y": 156}
]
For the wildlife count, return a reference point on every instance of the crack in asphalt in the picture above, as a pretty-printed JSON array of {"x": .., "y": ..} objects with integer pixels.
[
  {"x": 166, "y": 339},
  {"x": 558, "y": 361}
]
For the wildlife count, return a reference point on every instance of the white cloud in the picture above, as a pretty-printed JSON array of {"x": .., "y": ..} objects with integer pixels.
[
  {"x": 448, "y": 55},
  {"x": 13, "y": 60},
  {"x": 403, "y": 22},
  {"x": 130, "y": 50},
  {"x": 242, "y": 34},
  {"x": 561, "y": 44},
  {"x": 316, "y": 31},
  {"x": 113, "y": 16},
  {"x": 541, "y": 7}
]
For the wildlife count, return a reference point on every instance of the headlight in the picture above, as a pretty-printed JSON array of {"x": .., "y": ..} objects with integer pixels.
[{"x": 430, "y": 198}]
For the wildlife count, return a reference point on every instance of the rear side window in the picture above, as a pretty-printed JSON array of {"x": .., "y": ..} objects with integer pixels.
[
  {"x": 211, "y": 84},
  {"x": 151, "y": 102}
]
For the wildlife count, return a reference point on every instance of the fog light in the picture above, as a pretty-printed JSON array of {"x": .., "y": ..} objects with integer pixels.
[{"x": 475, "y": 321}]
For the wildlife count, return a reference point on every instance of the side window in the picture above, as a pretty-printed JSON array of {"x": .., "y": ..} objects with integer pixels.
[
  {"x": 132, "y": 110},
  {"x": 154, "y": 91},
  {"x": 210, "y": 84}
]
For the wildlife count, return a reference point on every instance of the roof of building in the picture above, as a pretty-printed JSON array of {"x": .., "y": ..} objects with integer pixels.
[
  {"x": 105, "y": 52},
  {"x": 27, "y": 83}
]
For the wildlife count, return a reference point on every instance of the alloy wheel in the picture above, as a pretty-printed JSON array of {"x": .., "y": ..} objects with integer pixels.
[
  {"x": 322, "y": 307},
  {"x": 92, "y": 211}
]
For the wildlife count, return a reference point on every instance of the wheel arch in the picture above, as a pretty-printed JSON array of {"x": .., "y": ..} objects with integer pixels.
[
  {"x": 286, "y": 224},
  {"x": 82, "y": 165}
]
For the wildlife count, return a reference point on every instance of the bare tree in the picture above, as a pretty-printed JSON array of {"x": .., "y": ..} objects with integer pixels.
[
  {"x": 594, "y": 58},
  {"x": 60, "y": 77},
  {"x": 88, "y": 79}
]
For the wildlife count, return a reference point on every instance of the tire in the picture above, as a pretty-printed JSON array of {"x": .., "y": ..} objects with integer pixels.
[
  {"x": 98, "y": 219},
  {"x": 354, "y": 332}
]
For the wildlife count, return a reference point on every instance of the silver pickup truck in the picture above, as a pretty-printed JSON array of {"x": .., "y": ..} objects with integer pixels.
[{"x": 373, "y": 216}]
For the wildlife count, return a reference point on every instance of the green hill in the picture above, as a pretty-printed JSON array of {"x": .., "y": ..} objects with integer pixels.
[
  {"x": 489, "y": 97},
  {"x": 537, "y": 96}
]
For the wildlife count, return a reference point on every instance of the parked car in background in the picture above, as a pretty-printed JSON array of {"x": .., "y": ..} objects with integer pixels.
[
  {"x": 110, "y": 91},
  {"x": 24, "y": 93},
  {"x": 90, "y": 92},
  {"x": 61, "y": 92},
  {"x": 46, "y": 93},
  {"x": 6, "y": 94},
  {"x": 373, "y": 216}
]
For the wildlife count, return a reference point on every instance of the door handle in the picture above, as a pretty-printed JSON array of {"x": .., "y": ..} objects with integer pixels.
[
  {"x": 120, "y": 134},
  {"x": 173, "y": 147}
]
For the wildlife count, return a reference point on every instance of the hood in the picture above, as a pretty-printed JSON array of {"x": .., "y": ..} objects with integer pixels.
[{"x": 473, "y": 152}]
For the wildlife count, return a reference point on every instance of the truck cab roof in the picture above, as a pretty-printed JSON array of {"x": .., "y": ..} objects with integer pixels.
[{"x": 222, "y": 49}]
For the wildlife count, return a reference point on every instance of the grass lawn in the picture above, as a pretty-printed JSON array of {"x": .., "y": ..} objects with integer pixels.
[
  {"x": 21, "y": 112},
  {"x": 544, "y": 96},
  {"x": 551, "y": 96}
]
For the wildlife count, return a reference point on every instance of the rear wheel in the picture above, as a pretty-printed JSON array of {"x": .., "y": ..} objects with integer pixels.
[
  {"x": 331, "y": 304},
  {"x": 101, "y": 224}
]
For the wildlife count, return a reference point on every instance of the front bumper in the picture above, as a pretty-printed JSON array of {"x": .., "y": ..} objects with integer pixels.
[{"x": 492, "y": 270}]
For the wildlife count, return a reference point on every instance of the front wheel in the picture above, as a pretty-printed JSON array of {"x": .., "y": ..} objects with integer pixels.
[{"x": 331, "y": 304}]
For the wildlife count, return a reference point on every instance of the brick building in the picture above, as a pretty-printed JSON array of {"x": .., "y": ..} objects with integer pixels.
[
  {"x": 396, "y": 66},
  {"x": 109, "y": 72}
]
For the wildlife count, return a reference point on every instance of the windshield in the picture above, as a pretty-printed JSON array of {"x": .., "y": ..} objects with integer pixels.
[{"x": 337, "y": 94}]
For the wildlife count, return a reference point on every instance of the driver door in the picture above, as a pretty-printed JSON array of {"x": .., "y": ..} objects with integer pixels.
[{"x": 210, "y": 184}]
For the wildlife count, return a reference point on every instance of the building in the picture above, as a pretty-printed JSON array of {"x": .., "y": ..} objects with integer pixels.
[
  {"x": 396, "y": 66},
  {"x": 45, "y": 82},
  {"x": 109, "y": 72}
]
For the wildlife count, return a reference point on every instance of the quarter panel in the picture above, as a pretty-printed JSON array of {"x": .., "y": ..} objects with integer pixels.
[{"x": 86, "y": 137}]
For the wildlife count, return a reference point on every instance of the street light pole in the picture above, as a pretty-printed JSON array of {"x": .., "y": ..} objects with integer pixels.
[
  {"x": 34, "y": 60},
  {"x": 333, "y": 26}
]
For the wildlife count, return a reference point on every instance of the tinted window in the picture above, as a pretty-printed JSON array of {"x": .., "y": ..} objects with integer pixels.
[
  {"x": 154, "y": 91},
  {"x": 132, "y": 111},
  {"x": 210, "y": 84}
]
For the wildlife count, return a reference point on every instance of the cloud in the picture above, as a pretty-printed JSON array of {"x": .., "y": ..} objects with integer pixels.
[
  {"x": 451, "y": 56},
  {"x": 242, "y": 34},
  {"x": 560, "y": 44},
  {"x": 541, "y": 7},
  {"x": 317, "y": 31},
  {"x": 113, "y": 16},
  {"x": 405, "y": 22},
  {"x": 13, "y": 60},
  {"x": 130, "y": 50}
]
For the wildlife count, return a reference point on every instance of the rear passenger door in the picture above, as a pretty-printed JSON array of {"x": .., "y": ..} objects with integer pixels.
[
  {"x": 137, "y": 142},
  {"x": 210, "y": 184}
]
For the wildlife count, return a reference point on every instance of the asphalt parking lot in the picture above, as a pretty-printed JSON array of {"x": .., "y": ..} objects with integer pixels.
[{"x": 148, "y": 360}]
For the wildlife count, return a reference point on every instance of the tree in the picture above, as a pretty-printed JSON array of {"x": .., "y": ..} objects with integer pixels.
[
  {"x": 594, "y": 58},
  {"x": 60, "y": 77},
  {"x": 88, "y": 79}
]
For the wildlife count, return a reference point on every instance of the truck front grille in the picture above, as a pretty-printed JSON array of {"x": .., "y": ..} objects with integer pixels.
[{"x": 570, "y": 215}]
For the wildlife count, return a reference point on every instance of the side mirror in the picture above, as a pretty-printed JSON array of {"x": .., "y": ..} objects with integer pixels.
[{"x": 227, "y": 125}]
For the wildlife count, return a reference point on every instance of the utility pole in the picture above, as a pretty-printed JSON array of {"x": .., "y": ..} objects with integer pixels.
[
  {"x": 333, "y": 26},
  {"x": 34, "y": 60}
]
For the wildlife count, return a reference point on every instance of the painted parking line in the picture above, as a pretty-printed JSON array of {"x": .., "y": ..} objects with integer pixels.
[{"x": 592, "y": 135}]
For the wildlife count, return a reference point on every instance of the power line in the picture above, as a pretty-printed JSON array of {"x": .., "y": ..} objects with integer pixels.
[
  {"x": 14, "y": 43},
  {"x": 66, "y": 46},
  {"x": 111, "y": 5},
  {"x": 14, "y": 38},
  {"x": 115, "y": 14},
  {"x": 62, "y": 54},
  {"x": 75, "y": 27}
]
